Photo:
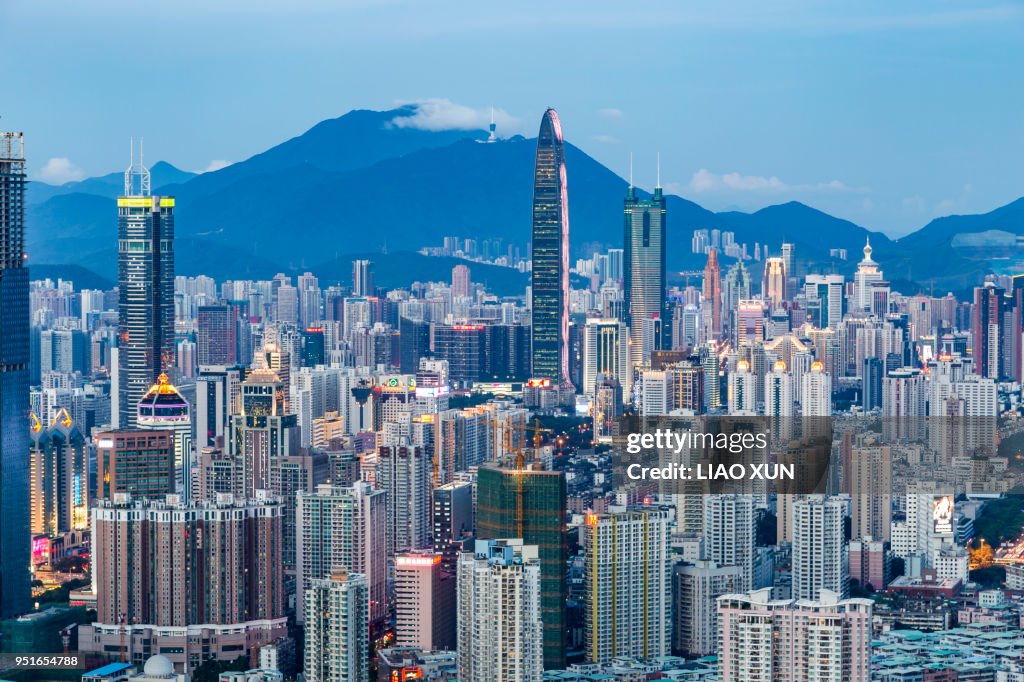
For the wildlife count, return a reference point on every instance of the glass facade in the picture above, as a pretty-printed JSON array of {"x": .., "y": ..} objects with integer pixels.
[
  {"x": 14, "y": 398},
  {"x": 644, "y": 266},
  {"x": 550, "y": 285},
  {"x": 145, "y": 278}
]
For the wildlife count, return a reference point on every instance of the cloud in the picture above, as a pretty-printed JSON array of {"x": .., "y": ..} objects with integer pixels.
[
  {"x": 707, "y": 181},
  {"x": 611, "y": 114},
  {"x": 606, "y": 139},
  {"x": 215, "y": 165},
  {"x": 59, "y": 170},
  {"x": 443, "y": 114}
]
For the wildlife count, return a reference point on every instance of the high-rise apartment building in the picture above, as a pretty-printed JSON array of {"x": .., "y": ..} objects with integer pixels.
[
  {"x": 196, "y": 581},
  {"x": 145, "y": 282},
  {"x": 344, "y": 528},
  {"x": 828, "y": 639},
  {"x": 549, "y": 304},
  {"x": 337, "y": 633},
  {"x": 14, "y": 380},
  {"x": 59, "y": 477},
  {"x": 404, "y": 473},
  {"x": 627, "y": 584},
  {"x": 729, "y": 527},
  {"x": 362, "y": 278},
  {"x": 695, "y": 588},
  {"x": 499, "y": 612},
  {"x": 819, "y": 547}
]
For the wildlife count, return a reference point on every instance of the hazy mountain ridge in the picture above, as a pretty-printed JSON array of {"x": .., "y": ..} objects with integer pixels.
[{"x": 361, "y": 184}]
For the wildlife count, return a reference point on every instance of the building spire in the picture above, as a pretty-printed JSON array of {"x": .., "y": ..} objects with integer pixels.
[
  {"x": 631, "y": 170},
  {"x": 658, "y": 186},
  {"x": 136, "y": 169}
]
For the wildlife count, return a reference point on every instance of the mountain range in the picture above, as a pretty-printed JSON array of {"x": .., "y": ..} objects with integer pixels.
[{"x": 365, "y": 185}]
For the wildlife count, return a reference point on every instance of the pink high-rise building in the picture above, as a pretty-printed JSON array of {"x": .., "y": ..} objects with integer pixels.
[
  {"x": 460, "y": 281},
  {"x": 869, "y": 562},
  {"x": 828, "y": 639},
  {"x": 424, "y": 602},
  {"x": 197, "y": 580}
]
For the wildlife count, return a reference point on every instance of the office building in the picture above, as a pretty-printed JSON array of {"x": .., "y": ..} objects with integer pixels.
[
  {"x": 145, "y": 282},
  {"x": 711, "y": 305},
  {"x": 643, "y": 282},
  {"x": 404, "y": 473},
  {"x": 139, "y": 463},
  {"x": 452, "y": 516},
  {"x": 605, "y": 352},
  {"x": 424, "y": 602},
  {"x": 59, "y": 469},
  {"x": 14, "y": 380},
  {"x": 163, "y": 409},
  {"x": 362, "y": 278},
  {"x": 549, "y": 304}
]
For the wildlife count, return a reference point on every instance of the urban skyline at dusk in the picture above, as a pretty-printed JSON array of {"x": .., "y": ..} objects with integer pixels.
[{"x": 437, "y": 391}]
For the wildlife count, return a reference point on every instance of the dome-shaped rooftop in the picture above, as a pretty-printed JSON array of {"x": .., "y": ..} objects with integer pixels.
[{"x": 158, "y": 666}]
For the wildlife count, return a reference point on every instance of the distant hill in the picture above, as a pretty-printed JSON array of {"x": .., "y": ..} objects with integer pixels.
[{"x": 360, "y": 184}]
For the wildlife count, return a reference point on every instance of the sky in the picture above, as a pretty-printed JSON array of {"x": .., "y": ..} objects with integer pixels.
[{"x": 885, "y": 113}]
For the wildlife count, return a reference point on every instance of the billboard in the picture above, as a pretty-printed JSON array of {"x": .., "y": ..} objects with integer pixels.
[{"x": 942, "y": 514}]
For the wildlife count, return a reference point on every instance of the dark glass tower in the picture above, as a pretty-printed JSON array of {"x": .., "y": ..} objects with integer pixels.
[
  {"x": 550, "y": 287},
  {"x": 145, "y": 280},
  {"x": 14, "y": 359},
  {"x": 530, "y": 504},
  {"x": 644, "y": 267}
]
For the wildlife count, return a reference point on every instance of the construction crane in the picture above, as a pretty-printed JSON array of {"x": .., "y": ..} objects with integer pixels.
[{"x": 520, "y": 471}]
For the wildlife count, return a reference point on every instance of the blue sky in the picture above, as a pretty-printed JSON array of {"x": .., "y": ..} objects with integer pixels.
[{"x": 884, "y": 113}]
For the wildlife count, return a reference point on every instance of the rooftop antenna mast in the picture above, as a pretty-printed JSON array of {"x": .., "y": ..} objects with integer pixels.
[
  {"x": 658, "y": 186},
  {"x": 136, "y": 170}
]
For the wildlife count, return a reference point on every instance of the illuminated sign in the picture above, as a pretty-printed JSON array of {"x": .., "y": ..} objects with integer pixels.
[
  {"x": 144, "y": 202},
  {"x": 539, "y": 383},
  {"x": 432, "y": 391},
  {"x": 942, "y": 514}
]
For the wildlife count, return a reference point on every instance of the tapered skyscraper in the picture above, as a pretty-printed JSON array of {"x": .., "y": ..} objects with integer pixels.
[
  {"x": 145, "y": 280},
  {"x": 644, "y": 269},
  {"x": 14, "y": 350},
  {"x": 713, "y": 293},
  {"x": 550, "y": 288}
]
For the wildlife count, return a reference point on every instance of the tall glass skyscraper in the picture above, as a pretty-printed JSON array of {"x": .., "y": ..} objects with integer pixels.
[
  {"x": 550, "y": 288},
  {"x": 14, "y": 402},
  {"x": 145, "y": 279},
  {"x": 644, "y": 268}
]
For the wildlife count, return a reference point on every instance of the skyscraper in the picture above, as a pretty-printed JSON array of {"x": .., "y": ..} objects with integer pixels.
[
  {"x": 550, "y": 286},
  {"x": 362, "y": 278},
  {"x": 14, "y": 401},
  {"x": 145, "y": 280},
  {"x": 773, "y": 287},
  {"x": 500, "y": 636},
  {"x": 605, "y": 350},
  {"x": 694, "y": 591},
  {"x": 644, "y": 267},
  {"x": 866, "y": 276},
  {"x": 713, "y": 294},
  {"x": 530, "y": 505},
  {"x": 626, "y": 574}
]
